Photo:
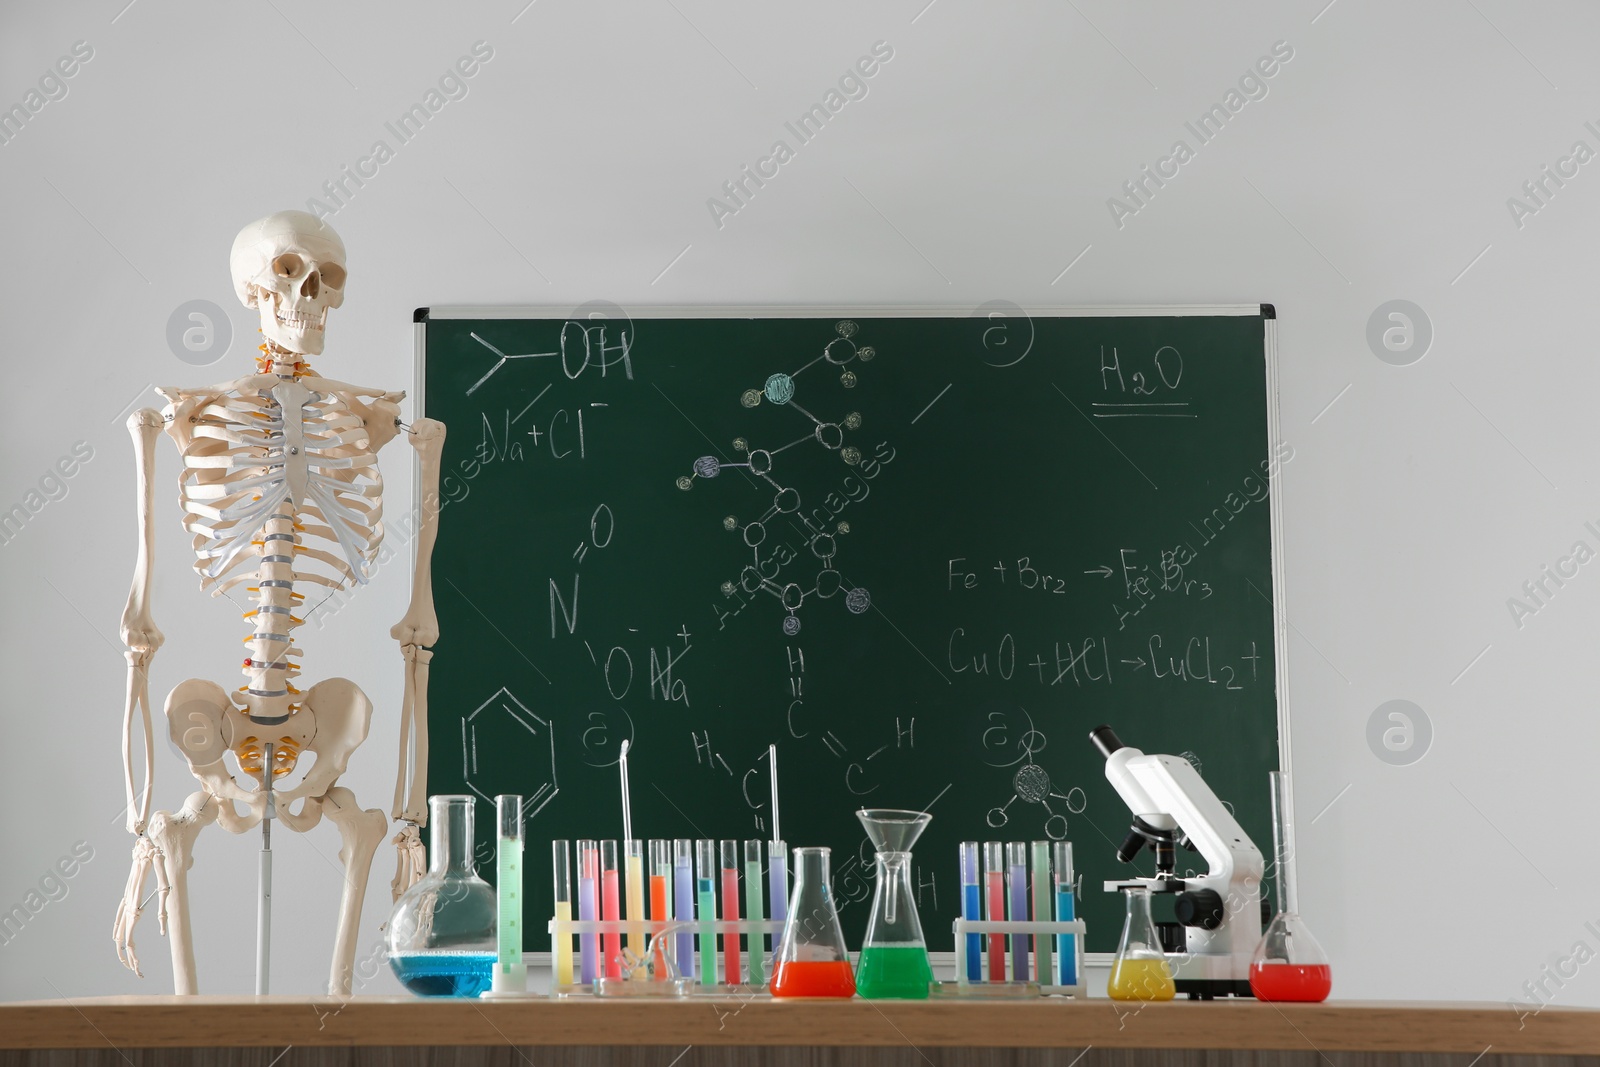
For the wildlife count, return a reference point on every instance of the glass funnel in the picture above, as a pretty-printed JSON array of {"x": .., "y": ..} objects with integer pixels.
[
  {"x": 812, "y": 961},
  {"x": 1140, "y": 971},
  {"x": 441, "y": 937},
  {"x": 1288, "y": 964},
  {"x": 894, "y": 959}
]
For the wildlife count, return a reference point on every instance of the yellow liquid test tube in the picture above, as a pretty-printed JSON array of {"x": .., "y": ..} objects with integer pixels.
[
  {"x": 561, "y": 940},
  {"x": 636, "y": 893}
]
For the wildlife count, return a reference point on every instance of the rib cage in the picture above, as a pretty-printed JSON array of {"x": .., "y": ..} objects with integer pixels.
[{"x": 238, "y": 472}]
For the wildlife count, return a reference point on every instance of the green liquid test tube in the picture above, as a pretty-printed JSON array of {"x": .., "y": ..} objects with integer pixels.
[
  {"x": 753, "y": 908},
  {"x": 705, "y": 880},
  {"x": 1042, "y": 889},
  {"x": 510, "y": 973}
]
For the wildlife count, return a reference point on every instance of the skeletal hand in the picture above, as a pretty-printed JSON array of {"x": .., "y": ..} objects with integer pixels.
[
  {"x": 132, "y": 904},
  {"x": 411, "y": 859}
]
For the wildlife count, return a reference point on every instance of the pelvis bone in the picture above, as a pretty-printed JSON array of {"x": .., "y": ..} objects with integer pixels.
[{"x": 205, "y": 726}]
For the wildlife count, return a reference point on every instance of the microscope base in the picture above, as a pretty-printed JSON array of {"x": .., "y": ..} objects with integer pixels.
[{"x": 1210, "y": 988}]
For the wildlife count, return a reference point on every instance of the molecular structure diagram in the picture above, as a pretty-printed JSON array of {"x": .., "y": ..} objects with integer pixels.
[
  {"x": 780, "y": 389},
  {"x": 1030, "y": 783}
]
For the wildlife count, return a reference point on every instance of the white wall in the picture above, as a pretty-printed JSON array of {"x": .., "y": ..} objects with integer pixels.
[{"x": 977, "y": 168}]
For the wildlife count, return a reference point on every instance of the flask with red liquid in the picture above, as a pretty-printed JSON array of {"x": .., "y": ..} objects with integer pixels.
[
  {"x": 1288, "y": 964},
  {"x": 812, "y": 960}
]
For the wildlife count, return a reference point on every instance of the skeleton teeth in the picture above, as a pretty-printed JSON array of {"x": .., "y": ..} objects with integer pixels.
[{"x": 299, "y": 321}]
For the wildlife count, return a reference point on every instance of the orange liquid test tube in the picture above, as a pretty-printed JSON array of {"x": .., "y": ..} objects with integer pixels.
[{"x": 660, "y": 901}]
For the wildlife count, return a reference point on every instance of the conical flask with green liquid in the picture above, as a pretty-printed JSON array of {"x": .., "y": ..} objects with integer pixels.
[{"x": 894, "y": 959}]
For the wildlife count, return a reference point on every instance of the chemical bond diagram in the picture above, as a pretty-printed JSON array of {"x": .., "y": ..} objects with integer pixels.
[
  {"x": 765, "y": 570},
  {"x": 1030, "y": 783}
]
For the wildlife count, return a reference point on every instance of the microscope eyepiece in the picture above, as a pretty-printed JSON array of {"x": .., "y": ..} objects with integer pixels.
[{"x": 1105, "y": 739}]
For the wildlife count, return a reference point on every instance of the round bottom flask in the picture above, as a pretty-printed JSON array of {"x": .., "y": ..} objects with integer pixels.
[
  {"x": 441, "y": 935},
  {"x": 1288, "y": 964}
]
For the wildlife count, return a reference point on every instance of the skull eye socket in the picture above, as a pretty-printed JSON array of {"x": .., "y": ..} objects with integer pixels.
[
  {"x": 333, "y": 275},
  {"x": 288, "y": 265}
]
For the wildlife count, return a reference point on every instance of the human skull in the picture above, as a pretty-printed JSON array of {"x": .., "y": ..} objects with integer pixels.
[{"x": 291, "y": 267}]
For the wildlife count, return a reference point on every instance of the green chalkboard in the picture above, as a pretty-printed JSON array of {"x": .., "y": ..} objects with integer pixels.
[{"x": 922, "y": 553}]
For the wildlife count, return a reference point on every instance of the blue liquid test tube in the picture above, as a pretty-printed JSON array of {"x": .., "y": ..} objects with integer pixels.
[
  {"x": 588, "y": 908},
  {"x": 778, "y": 879},
  {"x": 972, "y": 908},
  {"x": 778, "y": 890},
  {"x": 1066, "y": 911},
  {"x": 683, "y": 904},
  {"x": 1017, "y": 875}
]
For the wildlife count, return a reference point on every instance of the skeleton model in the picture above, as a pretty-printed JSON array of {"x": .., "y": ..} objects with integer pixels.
[{"x": 280, "y": 487}]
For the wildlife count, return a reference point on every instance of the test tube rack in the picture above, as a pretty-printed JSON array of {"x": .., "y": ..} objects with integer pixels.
[
  {"x": 680, "y": 985},
  {"x": 1036, "y": 929}
]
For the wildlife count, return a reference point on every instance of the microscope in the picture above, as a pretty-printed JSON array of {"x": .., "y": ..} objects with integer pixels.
[{"x": 1220, "y": 911}]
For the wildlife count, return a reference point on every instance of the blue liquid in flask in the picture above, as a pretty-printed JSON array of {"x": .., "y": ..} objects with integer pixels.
[{"x": 444, "y": 974}]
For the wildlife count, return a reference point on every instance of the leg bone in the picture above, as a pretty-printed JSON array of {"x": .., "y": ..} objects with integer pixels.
[
  {"x": 361, "y": 833},
  {"x": 172, "y": 839}
]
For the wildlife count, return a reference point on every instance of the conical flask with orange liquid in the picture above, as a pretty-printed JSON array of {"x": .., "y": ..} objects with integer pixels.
[{"x": 811, "y": 960}]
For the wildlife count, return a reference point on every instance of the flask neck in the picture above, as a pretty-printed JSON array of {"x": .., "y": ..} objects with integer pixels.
[
  {"x": 811, "y": 866},
  {"x": 451, "y": 835},
  {"x": 1139, "y": 930}
]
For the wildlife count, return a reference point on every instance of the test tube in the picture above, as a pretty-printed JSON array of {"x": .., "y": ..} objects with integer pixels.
[
  {"x": 633, "y": 852},
  {"x": 778, "y": 880},
  {"x": 1042, "y": 889},
  {"x": 1017, "y": 875},
  {"x": 660, "y": 900},
  {"x": 994, "y": 875},
  {"x": 588, "y": 909},
  {"x": 705, "y": 882},
  {"x": 683, "y": 901},
  {"x": 972, "y": 908},
  {"x": 510, "y": 973},
  {"x": 753, "y": 908},
  {"x": 610, "y": 911},
  {"x": 561, "y": 942},
  {"x": 1066, "y": 911},
  {"x": 730, "y": 910}
]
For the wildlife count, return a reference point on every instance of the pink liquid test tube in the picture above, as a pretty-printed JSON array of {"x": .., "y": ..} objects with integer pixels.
[
  {"x": 588, "y": 909},
  {"x": 994, "y": 877},
  {"x": 730, "y": 911},
  {"x": 610, "y": 909}
]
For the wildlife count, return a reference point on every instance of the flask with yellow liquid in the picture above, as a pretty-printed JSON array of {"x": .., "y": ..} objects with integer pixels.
[{"x": 1140, "y": 971}]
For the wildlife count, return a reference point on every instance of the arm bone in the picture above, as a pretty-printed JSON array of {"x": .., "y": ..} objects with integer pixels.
[{"x": 139, "y": 631}]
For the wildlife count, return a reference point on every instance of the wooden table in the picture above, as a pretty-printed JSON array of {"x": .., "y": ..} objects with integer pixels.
[{"x": 373, "y": 1031}]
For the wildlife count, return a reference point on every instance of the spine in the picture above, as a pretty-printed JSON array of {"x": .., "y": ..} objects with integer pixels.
[{"x": 269, "y": 669}]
